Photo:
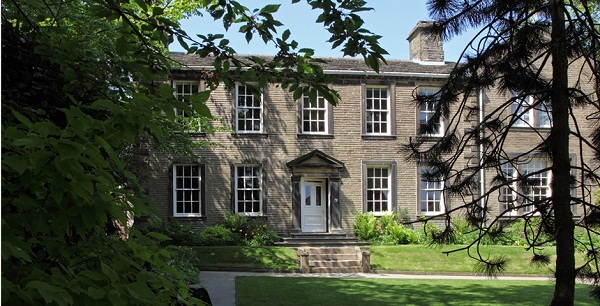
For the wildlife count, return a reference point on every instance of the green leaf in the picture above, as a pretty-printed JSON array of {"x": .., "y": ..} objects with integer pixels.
[
  {"x": 29, "y": 142},
  {"x": 286, "y": 35},
  {"x": 122, "y": 46},
  {"x": 156, "y": 11},
  {"x": 109, "y": 272},
  {"x": 16, "y": 162},
  {"x": 159, "y": 236},
  {"x": 51, "y": 293},
  {"x": 96, "y": 293},
  {"x": 271, "y": 8},
  {"x": 22, "y": 118}
]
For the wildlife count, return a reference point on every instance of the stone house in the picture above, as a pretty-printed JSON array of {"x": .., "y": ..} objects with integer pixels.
[{"x": 310, "y": 168}]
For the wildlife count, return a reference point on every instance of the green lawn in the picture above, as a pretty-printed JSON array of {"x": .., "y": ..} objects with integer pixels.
[
  {"x": 407, "y": 258},
  {"x": 420, "y": 258},
  {"x": 263, "y": 290},
  {"x": 245, "y": 257}
]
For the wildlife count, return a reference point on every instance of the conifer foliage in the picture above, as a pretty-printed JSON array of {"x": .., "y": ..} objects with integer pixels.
[{"x": 544, "y": 51}]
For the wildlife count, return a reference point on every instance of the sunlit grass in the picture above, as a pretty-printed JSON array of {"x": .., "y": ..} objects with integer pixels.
[{"x": 264, "y": 290}]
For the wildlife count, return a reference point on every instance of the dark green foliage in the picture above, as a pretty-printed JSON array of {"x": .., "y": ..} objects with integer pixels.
[
  {"x": 179, "y": 233},
  {"x": 81, "y": 107},
  {"x": 252, "y": 231},
  {"x": 218, "y": 235}
]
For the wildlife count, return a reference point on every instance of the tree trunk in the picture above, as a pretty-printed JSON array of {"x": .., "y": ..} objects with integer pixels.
[{"x": 564, "y": 289}]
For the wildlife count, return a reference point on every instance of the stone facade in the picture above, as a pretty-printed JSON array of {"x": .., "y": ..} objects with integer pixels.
[{"x": 337, "y": 162}]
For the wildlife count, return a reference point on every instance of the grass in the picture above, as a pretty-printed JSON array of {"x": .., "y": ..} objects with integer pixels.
[
  {"x": 246, "y": 257},
  {"x": 407, "y": 258},
  {"x": 251, "y": 290}
]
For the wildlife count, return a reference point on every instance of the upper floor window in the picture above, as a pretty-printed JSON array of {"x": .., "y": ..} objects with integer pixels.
[
  {"x": 377, "y": 111},
  {"x": 527, "y": 114},
  {"x": 183, "y": 91},
  {"x": 533, "y": 188},
  {"x": 427, "y": 111},
  {"x": 378, "y": 188},
  {"x": 248, "y": 110},
  {"x": 315, "y": 115},
  {"x": 248, "y": 189},
  {"x": 431, "y": 194},
  {"x": 187, "y": 191}
]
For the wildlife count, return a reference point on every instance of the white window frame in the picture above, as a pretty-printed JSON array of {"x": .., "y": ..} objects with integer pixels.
[
  {"x": 377, "y": 187},
  {"x": 247, "y": 94},
  {"x": 427, "y": 110},
  {"x": 183, "y": 95},
  {"x": 508, "y": 193},
  {"x": 187, "y": 190},
  {"x": 320, "y": 108},
  {"x": 374, "y": 114},
  {"x": 521, "y": 197},
  {"x": 525, "y": 115},
  {"x": 254, "y": 191},
  {"x": 431, "y": 191}
]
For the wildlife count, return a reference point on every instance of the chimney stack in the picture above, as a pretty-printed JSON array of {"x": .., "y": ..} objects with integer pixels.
[{"x": 425, "y": 47}]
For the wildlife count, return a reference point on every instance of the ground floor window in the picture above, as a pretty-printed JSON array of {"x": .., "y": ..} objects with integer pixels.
[
  {"x": 187, "y": 190},
  {"x": 379, "y": 186},
  {"x": 528, "y": 184},
  {"x": 248, "y": 190},
  {"x": 431, "y": 193}
]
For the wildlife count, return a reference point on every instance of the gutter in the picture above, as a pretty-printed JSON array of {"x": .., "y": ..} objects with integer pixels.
[{"x": 353, "y": 73}]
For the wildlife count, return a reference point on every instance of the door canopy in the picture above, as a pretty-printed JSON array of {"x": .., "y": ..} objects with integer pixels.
[{"x": 316, "y": 159}]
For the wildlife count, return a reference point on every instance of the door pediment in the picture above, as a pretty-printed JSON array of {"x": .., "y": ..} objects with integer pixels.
[{"x": 316, "y": 159}]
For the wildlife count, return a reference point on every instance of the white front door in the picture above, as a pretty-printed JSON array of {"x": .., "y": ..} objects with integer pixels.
[{"x": 314, "y": 205}]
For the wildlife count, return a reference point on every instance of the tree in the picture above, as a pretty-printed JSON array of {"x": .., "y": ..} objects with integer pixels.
[
  {"x": 541, "y": 49},
  {"x": 79, "y": 93}
]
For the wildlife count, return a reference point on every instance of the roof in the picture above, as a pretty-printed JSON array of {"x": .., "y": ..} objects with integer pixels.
[{"x": 340, "y": 65}]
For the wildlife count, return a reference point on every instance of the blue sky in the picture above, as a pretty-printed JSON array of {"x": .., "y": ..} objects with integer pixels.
[{"x": 392, "y": 19}]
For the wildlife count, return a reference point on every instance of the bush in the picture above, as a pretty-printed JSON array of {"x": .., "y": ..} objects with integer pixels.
[
  {"x": 251, "y": 231},
  {"x": 180, "y": 234},
  {"x": 236, "y": 223},
  {"x": 582, "y": 240},
  {"x": 265, "y": 238},
  {"x": 383, "y": 230},
  {"x": 401, "y": 234},
  {"x": 366, "y": 227},
  {"x": 218, "y": 235},
  {"x": 386, "y": 222}
]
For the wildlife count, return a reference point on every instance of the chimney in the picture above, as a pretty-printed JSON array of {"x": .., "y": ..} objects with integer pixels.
[{"x": 425, "y": 47}]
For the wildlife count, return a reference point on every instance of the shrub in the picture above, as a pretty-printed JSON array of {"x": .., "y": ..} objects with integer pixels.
[
  {"x": 251, "y": 231},
  {"x": 265, "y": 238},
  {"x": 236, "y": 223},
  {"x": 180, "y": 234},
  {"x": 582, "y": 239},
  {"x": 401, "y": 234},
  {"x": 386, "y": 222},
  {"x": 424, "y": 236},
  {"x": 366, "y": 227},
  {"x": 218, "y": 235}
]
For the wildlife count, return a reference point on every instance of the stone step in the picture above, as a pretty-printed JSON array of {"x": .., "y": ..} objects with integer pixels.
[
  {"x": 331, "y": 257},
  {"x": 321, "y": 235},
  {"x": 336, "y": 270},
  {"x": 332, "y": 250},
  {"x": 315, "y": 241},
  {"x": 334, "y": 263}
]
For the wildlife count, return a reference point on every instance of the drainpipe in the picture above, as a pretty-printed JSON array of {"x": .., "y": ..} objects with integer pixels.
[{"x": 481, "y": 136}]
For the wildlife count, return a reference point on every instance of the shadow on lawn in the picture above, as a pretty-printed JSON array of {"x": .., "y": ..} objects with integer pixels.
[
  {"x": 259, "y": 258},
  {"x": 327, "y": 291}
]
